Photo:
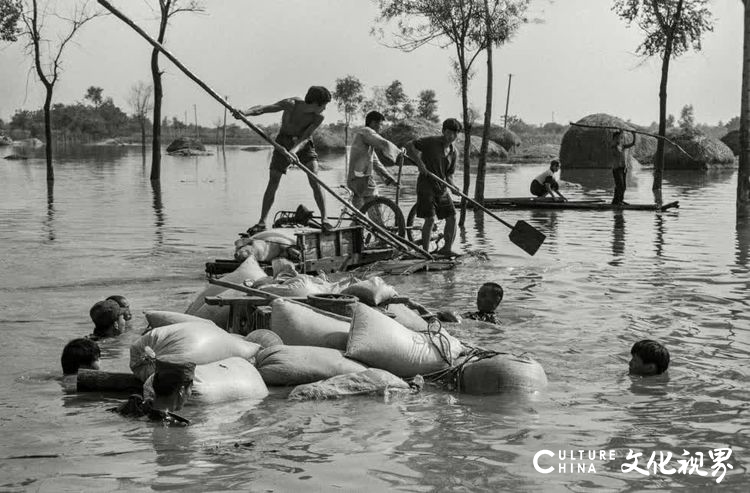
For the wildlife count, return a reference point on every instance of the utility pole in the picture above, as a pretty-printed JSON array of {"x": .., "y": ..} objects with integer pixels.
[
  {"x": 195, "y": 115},
  {"x": 224, "y": 130},
  {"x": 507, "y": 102}
]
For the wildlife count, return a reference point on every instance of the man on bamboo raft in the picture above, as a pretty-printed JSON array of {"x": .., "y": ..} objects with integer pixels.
[
  {"x": 437, "y": 155},
  {"x": 620, "y": 165},
  {"x": 299, "y": 119},
  {"x": 546, "y": 182},
  {"x": 172, "y": 384},
  {"x": 364, "y": 162}
]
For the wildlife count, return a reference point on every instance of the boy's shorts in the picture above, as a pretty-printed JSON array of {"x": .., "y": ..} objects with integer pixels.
[
  {"x": 306, "y": 154},
  {"x": 363, "y": 188},
  {"x": 433, "y": 202}
]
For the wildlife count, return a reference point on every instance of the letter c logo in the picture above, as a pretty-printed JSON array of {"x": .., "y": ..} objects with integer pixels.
[{"x": 545, "y": 470}]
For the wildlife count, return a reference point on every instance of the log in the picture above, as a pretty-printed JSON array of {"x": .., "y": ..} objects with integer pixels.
[{"x": 105, "y": 381}]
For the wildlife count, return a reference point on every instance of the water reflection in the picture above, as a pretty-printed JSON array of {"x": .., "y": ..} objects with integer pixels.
[
  {"x": 743, "y": 241},
  {"x": 692, "y": 180},
  {"x": 595, "y": 179},
  {"x": 659, "y": 236},
  {"x": 618, "y": 239},
  {"x": 160, "y": 218},
  {"x": 49, "y": 225}
]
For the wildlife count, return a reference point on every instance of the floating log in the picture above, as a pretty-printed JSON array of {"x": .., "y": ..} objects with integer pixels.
[{"x": 105, "y": 381}]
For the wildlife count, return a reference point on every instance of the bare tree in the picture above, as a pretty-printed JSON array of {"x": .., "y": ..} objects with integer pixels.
[
  {"x": 167, "y": 10},
  {"x": 47, "y": 53},
  {"x": 672, "y": 27},
  {"x": 743, "y": 175},
  {"x": 140, "y": 102}
]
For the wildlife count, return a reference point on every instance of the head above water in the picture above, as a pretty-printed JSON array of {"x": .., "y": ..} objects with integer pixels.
[
  {"x": 319, "y": 96},
  {"x": 648, "y": 358},
  {"x": 108, "y": 318},
  {"x": 124, "y": 305},
  {"x": 80, "y": 354},
  {"x": 173, "y": 382},
  {"x": 489, "y": 297},
  {"x": 451, "y": 128}
]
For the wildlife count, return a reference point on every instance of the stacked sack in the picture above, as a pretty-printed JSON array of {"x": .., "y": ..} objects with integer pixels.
[{"x": 223, "y": 369}]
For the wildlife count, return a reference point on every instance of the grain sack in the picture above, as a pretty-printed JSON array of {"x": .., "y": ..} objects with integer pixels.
[
  {"x": 299, "y": 325},
  {"x": 373, "y": 291},
  {"x": 370, "y": 381},
  {"x": 186, "y": 342},
  {"x": 503, "y": 373},
  {"x": 299, "y": 286},
  {"x": 264, "y": 338},
  {"x": 406, "y": 317},
  {"x": 381, "y": 342},
  {"x": 160, "y": 318},
  {"x": 295, "y": 365},
  {"x": 248, "y": 270}
]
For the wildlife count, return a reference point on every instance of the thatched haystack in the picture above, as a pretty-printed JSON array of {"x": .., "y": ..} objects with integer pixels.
[
  {"x": 592, "y": 147},
  {"x": 185, "y": 144},
  {"x": 494, "y": 150},
  {"x": 402, "y": 132},
  {"x": 499, "y": 135},
  {"x": 732, "y": 140},
  {"x": 539, "y": 152},
  {"x": 645, "y": 147},
  {"x": 707, "y": 153}
]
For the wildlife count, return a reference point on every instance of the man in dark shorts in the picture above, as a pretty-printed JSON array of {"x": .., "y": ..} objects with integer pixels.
[
  {"x": 298, "y": 122},
  {"x": 438, "y": 155},
  {"x": 546, "y": 183}
]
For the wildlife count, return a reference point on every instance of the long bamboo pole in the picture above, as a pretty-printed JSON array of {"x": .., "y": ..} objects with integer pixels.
[
  {"x": 395, "y": 241},
  {"x": 612, "y": 127}
]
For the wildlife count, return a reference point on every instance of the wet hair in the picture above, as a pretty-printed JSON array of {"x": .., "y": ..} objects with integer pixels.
[
  {"x": 373, "y": 116},
  {"x": 497, "y": 289},
  {"x": 77, "y": 353},
  {"x": 124, "y": 304},
  {"x": 105, "y": 313},
  {"x": 652, "y": 352},
  {"x": 171, "y": 377},
  {"x": 318, "y": 95},
  {"x": 452, "y": 124}
]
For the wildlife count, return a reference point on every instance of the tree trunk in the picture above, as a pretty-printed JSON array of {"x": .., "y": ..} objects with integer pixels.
[
  {"x": 482, "y": 165},
  {"x": 158, "y": 94},
  {"x": 48, "y": 132},
  {"x": 743, "y": 175},
  {"x": 659, "y": 158},
  {"x": 467, "y": 139}
]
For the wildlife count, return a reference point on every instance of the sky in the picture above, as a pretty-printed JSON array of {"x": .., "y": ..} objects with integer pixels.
[{"x": 579, "y": 60}]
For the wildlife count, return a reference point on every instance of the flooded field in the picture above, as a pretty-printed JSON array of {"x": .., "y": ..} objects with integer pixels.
[{"x": 600, "y": 282}]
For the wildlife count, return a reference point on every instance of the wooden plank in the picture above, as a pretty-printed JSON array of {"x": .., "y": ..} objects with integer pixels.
[{"x": 501, "y": 203}]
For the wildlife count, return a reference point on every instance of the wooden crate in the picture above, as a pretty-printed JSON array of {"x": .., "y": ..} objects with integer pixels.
[{"x": 340, "y": 242}]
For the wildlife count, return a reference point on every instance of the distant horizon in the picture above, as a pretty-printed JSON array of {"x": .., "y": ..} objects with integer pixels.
[{"x": 580, "y": 60}]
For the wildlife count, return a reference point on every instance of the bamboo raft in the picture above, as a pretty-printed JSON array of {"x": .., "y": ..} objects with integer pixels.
[{"x": 550, "y": 203}]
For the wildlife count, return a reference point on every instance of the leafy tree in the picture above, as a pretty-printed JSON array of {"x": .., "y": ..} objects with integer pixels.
[
  {"x": 47, "y": 54},
  {"x": 733, "y": 124},
  {"x": 140, "y": 102},
  {"x": 377, "y": 102},
  {"x": 94, "y": 94},
  {"x": 10, "y": 13},
  {"x": 672, "y": 27},
  {"x": 395, "y": 98},
  {"x": 687, "y": 119},
  {"x": 349, "y": 98},
  {"x": 427, "y": 105},
  {"x": 167, "y": 10}
]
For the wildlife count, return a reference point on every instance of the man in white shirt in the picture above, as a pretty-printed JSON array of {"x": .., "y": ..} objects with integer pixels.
[
  {"x": 546, "y": 183},
  {"x": 363, "y": 160}
]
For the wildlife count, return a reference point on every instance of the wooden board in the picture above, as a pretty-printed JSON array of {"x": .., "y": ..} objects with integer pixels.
[{"x": 594, "y": 204}]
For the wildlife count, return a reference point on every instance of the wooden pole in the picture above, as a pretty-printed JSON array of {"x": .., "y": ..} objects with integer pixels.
[
  {"x": 105, "y": 381},
  {"x": 195, "y": 116},
  {"x": 224, "y": 128},
  {"x": 507, "y": 102},
  {"x": 395, "y": 241}
]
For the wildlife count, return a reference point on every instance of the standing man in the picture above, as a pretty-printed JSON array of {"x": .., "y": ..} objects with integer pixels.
[
  {"x": 363, "y": 160},
  {"x": 298, "y": 122},
  {"x": 620, "y": 165},
  {"x": 438, "y": 155}
]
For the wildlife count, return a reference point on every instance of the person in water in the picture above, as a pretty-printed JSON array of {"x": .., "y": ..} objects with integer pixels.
[
  {"x": 648, "y": 358},
  {"x": 299, "y": 119},
  {"x": 108, "y": 318},
  {"x": 172, "y": 383},
  {"x": 489, "y": 296},
  {"x": 124, "y": 305},
  {"x": 546, "y": 182},
  {"x": 80, "y": 354},
  {"x": 436, "y": 155}
]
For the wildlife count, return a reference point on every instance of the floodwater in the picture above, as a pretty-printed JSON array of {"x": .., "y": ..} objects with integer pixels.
[{"x": 600, "y": 282}]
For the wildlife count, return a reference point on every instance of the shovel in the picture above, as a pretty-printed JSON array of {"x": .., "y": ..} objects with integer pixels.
[{"x": 522, "y": 234}]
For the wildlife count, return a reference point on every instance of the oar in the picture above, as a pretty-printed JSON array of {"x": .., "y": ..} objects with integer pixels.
[
  {"x": 398, "y": 180},
  {"x": 394, "y": 240},
  {"x": 522, "y": 234}
]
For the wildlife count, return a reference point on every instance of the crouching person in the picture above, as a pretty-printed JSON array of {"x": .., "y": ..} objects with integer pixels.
[{"x": 172, "y": 385}]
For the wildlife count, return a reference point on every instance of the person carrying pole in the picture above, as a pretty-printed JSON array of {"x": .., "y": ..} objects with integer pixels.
[
  {"x": 298, "y": 122},
  {"x": 436, "y": 155},
  {"x": 620, "y": 165}
]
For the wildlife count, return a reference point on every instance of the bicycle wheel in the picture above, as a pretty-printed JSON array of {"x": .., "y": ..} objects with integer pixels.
[
  {"x": 383, "y": 212},
  {"x": 414, "y": 230}
]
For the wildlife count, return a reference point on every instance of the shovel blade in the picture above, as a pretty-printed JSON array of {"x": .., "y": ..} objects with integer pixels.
[{"x": 527, "y": 237}]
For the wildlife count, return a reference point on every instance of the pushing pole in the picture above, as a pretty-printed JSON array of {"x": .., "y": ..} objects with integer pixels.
[{"x": 396, "y": 241}]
